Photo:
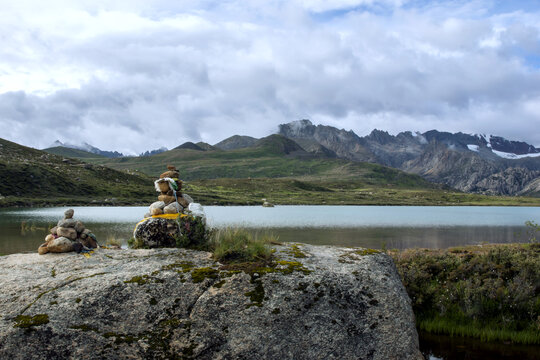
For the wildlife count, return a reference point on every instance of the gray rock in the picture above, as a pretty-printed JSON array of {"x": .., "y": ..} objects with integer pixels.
[
  {"x": 157, "y": 232},
  {"x": 79, "y": 227},
  {"x": 173, "y": 303},
  {"x": 68, "y": 214},
  {"x": 60, "y": 245},
  {"x": 188, "y": 198},
  {"x": 172, "y": 208},
  {"x": 67, "y": 223},
  {"x": 70, "y": 233},
  {"x": 156, "y": 205}
]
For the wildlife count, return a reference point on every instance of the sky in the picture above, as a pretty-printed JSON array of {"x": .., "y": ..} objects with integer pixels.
[{"x": 137, "y": 75}]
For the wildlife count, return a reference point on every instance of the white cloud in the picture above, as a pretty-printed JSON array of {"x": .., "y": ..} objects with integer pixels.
[{"x": 133, "y": 76}]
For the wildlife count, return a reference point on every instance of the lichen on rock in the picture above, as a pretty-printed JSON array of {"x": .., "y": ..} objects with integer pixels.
[{"x": 178, "y": 303}]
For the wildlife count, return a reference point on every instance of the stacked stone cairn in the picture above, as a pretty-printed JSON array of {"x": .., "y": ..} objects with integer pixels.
[
  {"x": 68, "y": 235},
  {"x": 171, "y": 200},
  {"x": 157, "y": 230}
]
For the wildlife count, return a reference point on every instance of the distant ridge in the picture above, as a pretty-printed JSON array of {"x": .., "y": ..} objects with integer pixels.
[
  {"x": 279, "y": 144},
  {"x": 236, "y": 142},
  {"x": 205, "y": 146},
  {"x": 153, "y": 152},
  {"x": 72, "y": 153},
  {"x": 88, "y": 148},
  {"x": 190, "y": 146}
]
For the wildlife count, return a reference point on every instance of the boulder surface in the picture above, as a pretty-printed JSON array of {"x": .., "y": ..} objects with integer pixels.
[{"x": 313, "y": 302}]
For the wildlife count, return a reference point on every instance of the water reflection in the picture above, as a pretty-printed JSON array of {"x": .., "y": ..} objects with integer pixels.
[
  {"x": 435, "y": 347},
  {"x": 374, "y": 227}
]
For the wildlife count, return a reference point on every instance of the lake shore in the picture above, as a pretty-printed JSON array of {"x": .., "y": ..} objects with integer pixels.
[{"x": 409, "y": 198}]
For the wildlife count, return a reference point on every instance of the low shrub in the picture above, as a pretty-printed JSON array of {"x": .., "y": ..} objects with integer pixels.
[
  {"x": 194, "y": 233},
  {"x": 474, "y": 290}
]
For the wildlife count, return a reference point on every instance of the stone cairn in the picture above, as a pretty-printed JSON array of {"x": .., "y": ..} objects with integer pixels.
[
  {"x": 171, "y": 200},
  {"x": 158, "y": 230},
  {"x": 68, "y": 235}
]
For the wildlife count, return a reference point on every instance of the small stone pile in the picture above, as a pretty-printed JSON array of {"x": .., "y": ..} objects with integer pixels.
[
  {"x": 171, "y": 200},
  {"x": 68, "y": 235}
]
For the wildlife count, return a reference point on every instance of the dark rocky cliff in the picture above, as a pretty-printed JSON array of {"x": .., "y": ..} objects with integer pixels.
[{"x": 463, "y": 161}]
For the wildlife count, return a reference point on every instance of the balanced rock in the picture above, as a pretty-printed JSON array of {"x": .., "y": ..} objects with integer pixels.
[
  {"x": 70, "y": 233},
  {"x": 157, "y": 232},
  {"x": 166, "y": 199},
  {"x": 67, "y": 223},
  {"x": 60, "y": 245},
  {"x": 170, "y": 174},
  {"x": 68, "y": 214},
  {"x": 79, "y": 227},
  {"x": 334, "y": 303},
  {"x": 156, "y": 205},
  {"x": 172, "y": 208},
  {"x": 188, "y": 198}
]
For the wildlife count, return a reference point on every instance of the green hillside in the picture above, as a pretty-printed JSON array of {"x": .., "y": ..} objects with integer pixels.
[
  {"x": 288, "y": 191},
  {"x": 30, "y": 176},
  {"x": 72, "y": 153},
  {"x": 271, "y": 157},
  {"x": 278, "y": 169}
]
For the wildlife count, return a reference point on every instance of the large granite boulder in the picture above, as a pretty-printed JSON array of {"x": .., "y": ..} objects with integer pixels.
[
  {"x": 156, "y": 232},
  {"x": 311, "y": 303}
]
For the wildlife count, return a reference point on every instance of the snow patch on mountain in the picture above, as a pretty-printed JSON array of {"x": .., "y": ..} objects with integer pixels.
[
  {"x": 505, "y": 155},
  {"x": 474, "y": 148}
]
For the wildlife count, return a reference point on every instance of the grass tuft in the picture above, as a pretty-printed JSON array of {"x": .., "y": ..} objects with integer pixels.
[{"x": 239, "y": 245}]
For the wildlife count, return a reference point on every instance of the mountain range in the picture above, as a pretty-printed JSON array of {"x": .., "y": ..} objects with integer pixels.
[
  {"x": 475, "y": 163},
  {"x": 86, "y": 150},
  {"x": 485, "y": 164}
]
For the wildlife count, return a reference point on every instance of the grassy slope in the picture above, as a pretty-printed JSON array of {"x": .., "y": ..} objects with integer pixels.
[
  {"x": 489, "y": 291},
  {"x": 291, "y": 191},
  {"x": 30, "y": 176},
  {"x": 269, "y": 160}
]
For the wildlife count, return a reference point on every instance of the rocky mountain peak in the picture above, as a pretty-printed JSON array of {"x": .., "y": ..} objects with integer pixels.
[
  {"x": 514, "y": 147},
  {"x": 297, "y": 129},
  {"x": 380, "y": 136}
]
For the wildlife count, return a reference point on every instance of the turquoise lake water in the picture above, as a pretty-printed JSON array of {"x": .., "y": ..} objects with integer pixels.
[{"x": 23, "y": 230}]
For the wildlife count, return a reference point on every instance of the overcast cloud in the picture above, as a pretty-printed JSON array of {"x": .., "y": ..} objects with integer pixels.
[{"x": 137, "y": 75}]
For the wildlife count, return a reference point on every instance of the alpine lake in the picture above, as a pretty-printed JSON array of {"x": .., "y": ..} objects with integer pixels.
[{"x": 378, "y": 227}]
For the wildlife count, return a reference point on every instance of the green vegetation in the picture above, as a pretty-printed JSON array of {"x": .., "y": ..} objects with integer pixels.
[
  {"x": 274, "y": 168},
  {"x": 288, "y": 191},
  {"x": 532, "y": 230},
  {"x": 32, "y": 177},
  {"x": 26, "y": 321},
  {"x": 491, "y": 291},
  {"x": 239, "y": 245},
  {"x": 194, "y": 234},
  {"x": 72, "y": 153},
  {"x": 270, "y": 159}
]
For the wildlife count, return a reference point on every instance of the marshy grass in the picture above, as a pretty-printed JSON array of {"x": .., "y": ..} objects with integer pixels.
[
  {"x": 240, "y": 245},
  {"x": 112, "y": 240},
  {"x": 491, "y": 292}
]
